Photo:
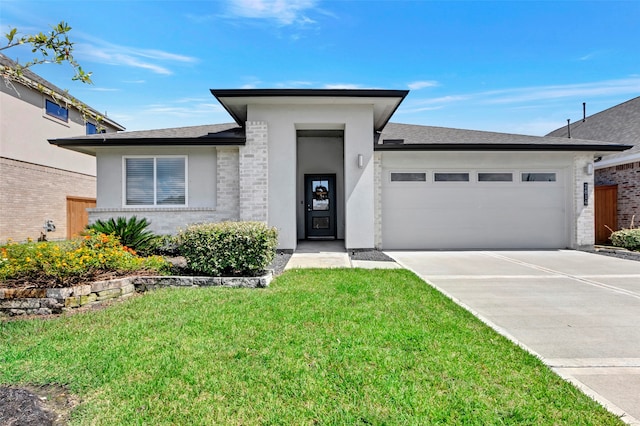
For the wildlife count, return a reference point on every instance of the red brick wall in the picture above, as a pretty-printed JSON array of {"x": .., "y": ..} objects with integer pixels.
[{"x": 627, "y": 177}]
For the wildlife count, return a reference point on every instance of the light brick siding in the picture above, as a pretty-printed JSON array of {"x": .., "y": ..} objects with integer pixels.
[
  {"x": 584, "y": 233},
  {"x": 627, "y": 177},
  {"x": 164, "y": 221},
  {"x": 30, "y": 194},
  {"x": 228, "y": 175},
  {"x": 253, "y": 165},
  {"x": 377, "y": 200}
]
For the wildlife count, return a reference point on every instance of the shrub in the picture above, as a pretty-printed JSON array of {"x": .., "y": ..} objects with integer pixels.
[
  {"x": 164, "y": 245},
  {"x": 627, "y": 238},
  {"x": 228, "y": 248},
  {"x": 70, "y": 261},
  {"x": 132, "y": 233}
]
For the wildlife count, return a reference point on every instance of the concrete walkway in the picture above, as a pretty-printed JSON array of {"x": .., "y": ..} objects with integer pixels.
[
  {"x": 330, "y": 254},
  {"x": 578, "y": 312}
]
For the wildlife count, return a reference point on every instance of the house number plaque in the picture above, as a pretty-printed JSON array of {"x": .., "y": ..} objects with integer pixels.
[{"x": 585, "y": 194}]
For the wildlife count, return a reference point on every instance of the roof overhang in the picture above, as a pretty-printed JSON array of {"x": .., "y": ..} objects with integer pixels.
[
  {"x": 90, "y": 146},
  {"x": 384, "y": 102},
  {"x": 500, "y": 147}
]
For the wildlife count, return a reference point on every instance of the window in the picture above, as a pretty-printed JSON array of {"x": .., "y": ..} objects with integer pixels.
[
  {"x": 155, "y": 181},
  {"x": 92, "y": 129},
  {"x": 57, "y": 111},
  {"x": 495, "y": 177},
  {"x": 408, "y": 177},
  {"x": 451, "y": 177},
  {"x": 538, "y": 177}
]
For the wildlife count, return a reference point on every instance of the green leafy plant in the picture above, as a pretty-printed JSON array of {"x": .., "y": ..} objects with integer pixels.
[
  {"x": 626, "y": 238},
  {"x": 228, "y": 248},
  {"x": 132, "y": 232},
  {"x": 51, "y": 47},
  {"x": 54, "y": 264}
]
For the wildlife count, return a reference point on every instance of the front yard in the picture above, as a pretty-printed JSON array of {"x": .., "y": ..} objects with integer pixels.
[{"x": 317, "y": 347}]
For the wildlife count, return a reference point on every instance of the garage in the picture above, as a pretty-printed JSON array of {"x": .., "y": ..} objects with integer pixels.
[{"x": 476, "y": 200}]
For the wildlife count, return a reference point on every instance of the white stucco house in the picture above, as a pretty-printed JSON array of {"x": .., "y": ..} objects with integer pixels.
[
  {"x": 321, "y": 164},
  {"x": 39, "y": 183}
]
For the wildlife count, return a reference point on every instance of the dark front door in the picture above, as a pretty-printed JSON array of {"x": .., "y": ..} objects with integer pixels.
[{"x": 320, "y": 204}]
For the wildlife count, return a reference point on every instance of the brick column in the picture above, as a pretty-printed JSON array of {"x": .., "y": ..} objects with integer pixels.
[
  {"x": 584, "y": 215},
  {"x": 254, "y": 172},
  {"x": 227, "y": 176},
  {"x": 377, "y": 204}
]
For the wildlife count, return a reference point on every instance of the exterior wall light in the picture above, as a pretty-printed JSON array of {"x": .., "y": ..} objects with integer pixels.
[
  {"x": 589, "y": 169},
  {"x": 360, "y": 161}
]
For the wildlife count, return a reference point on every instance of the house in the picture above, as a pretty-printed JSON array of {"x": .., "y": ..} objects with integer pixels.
[
  {"x": 617, "y": 174},
  {"x": 41, "y": 185},
  {"x": 321, "y": 164}
]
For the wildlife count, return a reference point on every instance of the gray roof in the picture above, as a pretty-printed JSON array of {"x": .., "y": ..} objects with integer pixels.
[
  {"x": 618, "y": 124},
  {"x": 395, "y": 136},
  {"x": 189, "y": 132},
  {"x": 205, "y": 135},
  {"x": 443, "y": 138},
  {"x": 30, "y": 75}
]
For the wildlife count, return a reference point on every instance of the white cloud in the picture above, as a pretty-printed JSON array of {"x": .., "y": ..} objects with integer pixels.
[
  {"x": 543, "y": 93},
  {"x": 517, "y": 96},
  {"x": 342, "y": 86},
  {"x": 156, "y": 61},
  {"x": 285, "y": 12},
  {"x": 417, "y": 85}
]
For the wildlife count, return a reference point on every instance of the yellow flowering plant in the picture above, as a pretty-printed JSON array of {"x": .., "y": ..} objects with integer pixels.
[{"x": 61, "y": 263}]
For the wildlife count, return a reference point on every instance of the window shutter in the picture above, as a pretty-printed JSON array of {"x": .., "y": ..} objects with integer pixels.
[
  {"x": 139, "y": 181},
  {"x": 170, "y": 175}
]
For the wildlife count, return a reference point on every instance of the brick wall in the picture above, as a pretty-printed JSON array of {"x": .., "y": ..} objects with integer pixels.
[
  {"x": 253, "y": 180},
  {"x": 164, "y": 221},
  {"x": 627, "y": 177},
  {"x": 30, "y": 194},
  {"x": 228, "y": 177},
  {"x": 377, "y": 199},
  {"x": 584, "y": 232}
]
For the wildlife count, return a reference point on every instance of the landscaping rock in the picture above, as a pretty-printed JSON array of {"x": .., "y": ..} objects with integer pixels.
[{"x": 109, "y": 294}]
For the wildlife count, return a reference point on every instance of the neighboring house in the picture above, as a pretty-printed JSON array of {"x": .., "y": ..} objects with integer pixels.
[
  {"x": 321, "y": 164},
  {"x": 39, "y": 183},
  {"x": 619, "y": 171}
]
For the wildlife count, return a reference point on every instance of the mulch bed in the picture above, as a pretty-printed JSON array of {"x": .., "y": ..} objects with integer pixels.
[{"x": 28, "y": 405}]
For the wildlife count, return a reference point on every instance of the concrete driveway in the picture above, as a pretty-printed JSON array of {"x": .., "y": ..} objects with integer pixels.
[{"x": 579, "y": 312}]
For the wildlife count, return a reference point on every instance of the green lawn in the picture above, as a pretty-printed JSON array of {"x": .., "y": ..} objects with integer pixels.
[{"x": 343, "y": 346}]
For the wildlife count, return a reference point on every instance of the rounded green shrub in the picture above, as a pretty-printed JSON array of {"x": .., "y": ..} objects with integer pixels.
[
  {"x": 228, "y": 248},
  {"x": 627, "y": 238}
]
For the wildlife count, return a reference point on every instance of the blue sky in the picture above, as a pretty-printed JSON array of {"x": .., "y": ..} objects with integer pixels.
[{"x": 506, "y": 66}]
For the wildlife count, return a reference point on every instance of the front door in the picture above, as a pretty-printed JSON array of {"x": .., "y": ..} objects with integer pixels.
[{"x": 320, "y": 204}]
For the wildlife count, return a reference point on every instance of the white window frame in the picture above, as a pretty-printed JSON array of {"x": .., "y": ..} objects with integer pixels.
[
  {"x": 408, "y": 182},
  {"x": 155, "y": 204}
]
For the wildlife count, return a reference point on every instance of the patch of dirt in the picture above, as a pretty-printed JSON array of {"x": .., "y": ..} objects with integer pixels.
[{"x": 29, "y": 405}]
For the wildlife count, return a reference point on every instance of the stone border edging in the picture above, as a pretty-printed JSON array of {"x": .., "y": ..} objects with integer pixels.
[{"x": 47, "y": 301}]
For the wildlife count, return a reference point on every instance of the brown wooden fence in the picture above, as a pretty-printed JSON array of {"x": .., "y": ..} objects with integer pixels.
[
  {"x": 606, "y": 214},
  {"x": 77, "y": 215}
]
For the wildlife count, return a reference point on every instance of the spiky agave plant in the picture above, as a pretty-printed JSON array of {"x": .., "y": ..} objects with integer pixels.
[{"x": 132, "y": 233}]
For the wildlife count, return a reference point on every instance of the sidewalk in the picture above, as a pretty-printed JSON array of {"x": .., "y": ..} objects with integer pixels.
[{"x": 330, "y": 254}]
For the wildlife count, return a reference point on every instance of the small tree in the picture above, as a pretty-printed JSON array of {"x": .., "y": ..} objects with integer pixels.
[{"x": 52, "y": 47}]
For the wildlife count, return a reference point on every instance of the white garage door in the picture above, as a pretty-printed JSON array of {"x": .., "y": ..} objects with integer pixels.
[{"x": 474, "y": 208}]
